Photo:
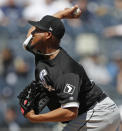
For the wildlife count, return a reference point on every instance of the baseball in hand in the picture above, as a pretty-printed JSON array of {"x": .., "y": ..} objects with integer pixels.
[{"x": 77, "y": 11}]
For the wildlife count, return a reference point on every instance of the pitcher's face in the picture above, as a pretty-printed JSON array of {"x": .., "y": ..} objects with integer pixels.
[{"x": 39, "y": 38}]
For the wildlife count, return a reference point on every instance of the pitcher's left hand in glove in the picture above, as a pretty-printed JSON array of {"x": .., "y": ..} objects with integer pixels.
[{"x": 34, "y": 96}]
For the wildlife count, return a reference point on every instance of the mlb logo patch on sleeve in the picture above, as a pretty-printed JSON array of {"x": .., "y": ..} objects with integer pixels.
[{"x": 69, "y": 89}]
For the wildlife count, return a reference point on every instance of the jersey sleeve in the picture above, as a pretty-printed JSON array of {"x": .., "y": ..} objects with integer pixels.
[{"x": 68, "y": 89}]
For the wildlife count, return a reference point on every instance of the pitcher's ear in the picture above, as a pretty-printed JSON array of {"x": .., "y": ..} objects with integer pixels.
[{"x": 48, "y": 35}]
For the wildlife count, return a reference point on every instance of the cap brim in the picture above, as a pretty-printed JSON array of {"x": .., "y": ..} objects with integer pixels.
[{"x": 38, "y": 25}]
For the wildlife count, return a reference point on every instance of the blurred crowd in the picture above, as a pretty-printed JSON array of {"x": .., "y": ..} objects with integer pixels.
[{"x": 94, "y": 41}]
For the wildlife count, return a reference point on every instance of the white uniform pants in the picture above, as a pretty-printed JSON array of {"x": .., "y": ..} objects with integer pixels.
[{"x": 104, "y": 116}]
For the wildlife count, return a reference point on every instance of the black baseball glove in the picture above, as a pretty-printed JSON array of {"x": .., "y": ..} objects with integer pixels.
[{"x": 34, "y": 96}]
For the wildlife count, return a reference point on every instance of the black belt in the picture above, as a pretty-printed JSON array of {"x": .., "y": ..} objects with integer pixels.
[{"x": 101, "y": 97}]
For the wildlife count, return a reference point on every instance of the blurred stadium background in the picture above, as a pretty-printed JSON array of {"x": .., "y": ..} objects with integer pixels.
[{"x": 95, "y": 40}]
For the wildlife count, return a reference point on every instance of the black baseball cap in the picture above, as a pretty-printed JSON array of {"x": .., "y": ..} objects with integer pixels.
[{"x": 51, "y": 24}]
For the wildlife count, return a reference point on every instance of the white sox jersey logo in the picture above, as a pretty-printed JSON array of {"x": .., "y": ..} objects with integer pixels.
[
  {"x": 41, "y": 76},
  {"x": 69, "y": 89}
]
